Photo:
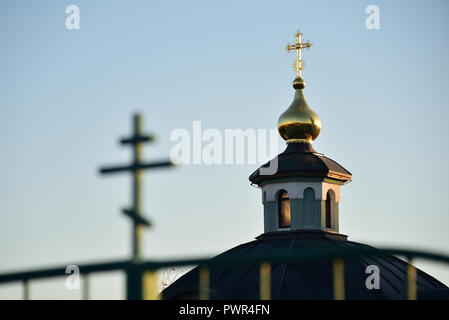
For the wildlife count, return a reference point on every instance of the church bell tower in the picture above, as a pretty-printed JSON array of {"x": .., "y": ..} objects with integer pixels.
[{"x": 300, "y": 187}]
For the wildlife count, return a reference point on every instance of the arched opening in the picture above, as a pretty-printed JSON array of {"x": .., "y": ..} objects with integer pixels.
[
  {"x": 283, "y": 201},
  {"x": 308, "y": 211},
  {"x": 329, "y": 209}
]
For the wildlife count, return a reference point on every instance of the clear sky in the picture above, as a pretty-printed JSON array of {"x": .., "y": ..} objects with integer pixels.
[{"x": 67, "y": 96}]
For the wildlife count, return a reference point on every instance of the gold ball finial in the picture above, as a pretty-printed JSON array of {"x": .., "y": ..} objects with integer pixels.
[{"x": 299, "y": 123}]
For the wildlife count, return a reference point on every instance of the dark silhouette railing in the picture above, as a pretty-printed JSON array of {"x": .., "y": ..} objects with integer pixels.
[{"x": 147, "y": 270}]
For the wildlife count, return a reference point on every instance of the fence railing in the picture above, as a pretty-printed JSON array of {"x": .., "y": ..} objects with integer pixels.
[{"x": 146, "y": 272}]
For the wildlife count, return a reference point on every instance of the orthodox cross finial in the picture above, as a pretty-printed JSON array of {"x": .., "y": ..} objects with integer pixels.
[
  {"x": 298, "y": 65},
  {"x": 137, "y": 167}
]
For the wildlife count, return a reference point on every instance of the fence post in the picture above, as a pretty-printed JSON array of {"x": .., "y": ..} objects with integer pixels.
[
  {"x": 26, "y": 290},
  {"x": 265, "y": 281},
  {"x": 411, "y": 281},
  {"x": 150, "y": 279},
  {"x": 204, "y": 283},
  {"x": 134, "y": 281},
  {"x": 86, "y": 287},
  {"x": 339, "y": 279}
]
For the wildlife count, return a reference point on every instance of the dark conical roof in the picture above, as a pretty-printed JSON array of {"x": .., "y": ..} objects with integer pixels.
[
  {"x": 305, "y": 280},
  {"x": 300, "y": 159}
]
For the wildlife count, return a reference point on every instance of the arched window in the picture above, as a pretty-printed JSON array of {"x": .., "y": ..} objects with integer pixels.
[
  {"x": 283, "y": 209},
  {"x": 308, "y": 211},
  {"x": 329, "y": 204}
]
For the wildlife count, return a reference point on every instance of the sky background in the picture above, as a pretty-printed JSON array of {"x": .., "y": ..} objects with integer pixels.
[{"x": 67, "y": 96}]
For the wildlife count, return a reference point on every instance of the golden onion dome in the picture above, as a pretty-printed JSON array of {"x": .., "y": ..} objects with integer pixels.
[{"x": 299, "y": 123}]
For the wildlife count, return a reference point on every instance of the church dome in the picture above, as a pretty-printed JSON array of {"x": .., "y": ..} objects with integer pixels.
[
  {"x": 299, "y": 122},
  {"x": 305, "y": 280}
]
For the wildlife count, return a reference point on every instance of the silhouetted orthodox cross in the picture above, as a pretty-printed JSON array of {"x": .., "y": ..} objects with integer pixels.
[
  {"x": 298, "y": 65},
  {"x": 135, "y": 213}
]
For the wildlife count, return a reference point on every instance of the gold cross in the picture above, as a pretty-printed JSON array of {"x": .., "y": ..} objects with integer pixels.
[{"x": 298, "y": 65}]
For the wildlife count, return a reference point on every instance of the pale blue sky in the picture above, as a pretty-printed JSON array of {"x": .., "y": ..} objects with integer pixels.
[{"x": 67, "y": 96}]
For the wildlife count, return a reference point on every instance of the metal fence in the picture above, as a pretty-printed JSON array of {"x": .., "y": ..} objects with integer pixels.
[{"x": 142, "y": 278}]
